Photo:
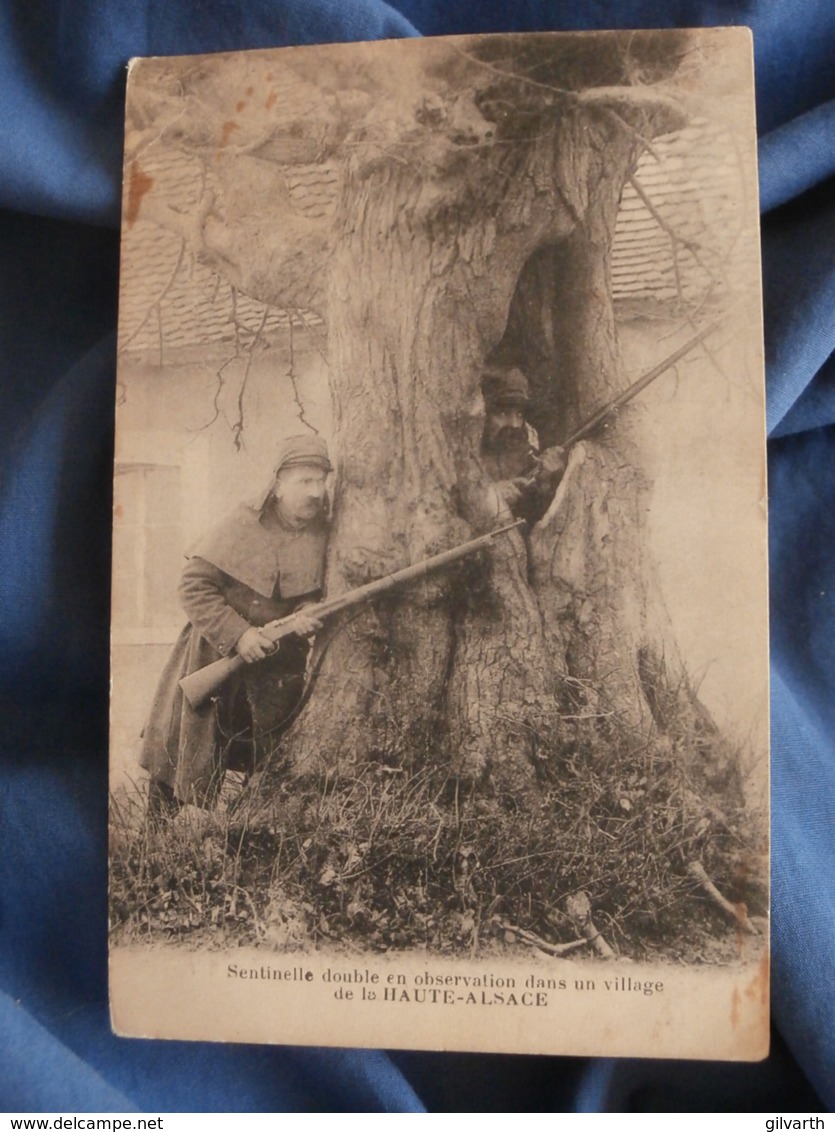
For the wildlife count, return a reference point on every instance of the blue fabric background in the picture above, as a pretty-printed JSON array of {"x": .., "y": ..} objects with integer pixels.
[{"x": 62, "y": 71}]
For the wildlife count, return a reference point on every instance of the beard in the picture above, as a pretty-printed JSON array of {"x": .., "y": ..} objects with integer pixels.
[{"x": 509, "y": 439}]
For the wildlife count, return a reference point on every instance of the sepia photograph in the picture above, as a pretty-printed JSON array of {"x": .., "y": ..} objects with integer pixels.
[{"x": 439, "y": 637}]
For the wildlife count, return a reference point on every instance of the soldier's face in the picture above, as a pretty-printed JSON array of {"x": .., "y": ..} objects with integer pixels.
[
  {"x": 300, "y": 492},
  {"x": 504, "y": 424}
]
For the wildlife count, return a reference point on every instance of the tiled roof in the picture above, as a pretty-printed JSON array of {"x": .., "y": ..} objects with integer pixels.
[
  {"x": 674, "y": 242},
  {"x": 168, "y": 298},
  {"x": 679, "y": 221}
]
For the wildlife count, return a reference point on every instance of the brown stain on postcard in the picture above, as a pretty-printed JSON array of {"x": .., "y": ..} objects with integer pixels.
[
  {"x": 756, "y": 989},
  {"x": 228, "y": 129},
  {"x": 759, "y": 985},
  {"x": 138, "y": 185}
]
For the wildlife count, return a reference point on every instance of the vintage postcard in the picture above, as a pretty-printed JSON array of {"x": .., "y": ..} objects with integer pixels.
[{"x": 440, "y": 668}]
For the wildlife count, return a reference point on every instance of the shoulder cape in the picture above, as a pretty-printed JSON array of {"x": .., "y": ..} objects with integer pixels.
[{"x": 262, "y": 557}]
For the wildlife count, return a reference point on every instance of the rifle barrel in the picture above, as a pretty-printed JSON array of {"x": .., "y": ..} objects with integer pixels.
[
  {"x": 406, "y": 574},
  {"x": 597, "y": 418},
  {"x": 198, "y": 686}
]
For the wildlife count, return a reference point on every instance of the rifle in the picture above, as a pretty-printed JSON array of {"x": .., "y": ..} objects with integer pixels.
[
  {"x": 198, "y": 686},
  {"x": 609, "y": 409}
]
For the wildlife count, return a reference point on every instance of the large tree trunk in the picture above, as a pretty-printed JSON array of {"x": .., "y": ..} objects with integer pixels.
[
  {"x": 419, "y": 297},
  {"x": 471, "y": 670}
]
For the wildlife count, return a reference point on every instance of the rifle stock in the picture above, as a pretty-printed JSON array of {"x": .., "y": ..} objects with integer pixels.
[{"x": 200, "y": 685}]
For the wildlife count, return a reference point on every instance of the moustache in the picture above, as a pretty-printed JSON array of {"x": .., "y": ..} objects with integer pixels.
[{"x": 510, "y": 435}]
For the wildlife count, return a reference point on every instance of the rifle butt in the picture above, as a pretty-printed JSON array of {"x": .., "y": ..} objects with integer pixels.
[{"x": 199, "y": 685}]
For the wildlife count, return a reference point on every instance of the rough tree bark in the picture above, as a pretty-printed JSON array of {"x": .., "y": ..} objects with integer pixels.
[{"x": 474, "y": 221}]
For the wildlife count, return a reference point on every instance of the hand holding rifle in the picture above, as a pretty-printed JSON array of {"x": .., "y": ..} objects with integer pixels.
[
  {"x": 253, "y": 645},
  {"x": 256, "y": 644},
  {"x": 199, "y": 686}
]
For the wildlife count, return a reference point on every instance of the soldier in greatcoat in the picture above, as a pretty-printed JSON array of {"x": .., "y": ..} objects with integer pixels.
[{"x": 262, "y": 562}]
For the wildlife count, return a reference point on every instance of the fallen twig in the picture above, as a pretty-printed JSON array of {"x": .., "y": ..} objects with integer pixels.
[
  {"x": 534, "y": 940},
  {"x": 737, "y": 912}
]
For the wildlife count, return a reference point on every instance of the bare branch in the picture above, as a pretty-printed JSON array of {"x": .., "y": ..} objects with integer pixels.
[
  {"x": 514, "y": 76},
  {"x": 238, "y": 426},
  {"x": 291, "y": 373},
  {"x": 675, "y": 239},
  {"x": 221, "y": 383}
]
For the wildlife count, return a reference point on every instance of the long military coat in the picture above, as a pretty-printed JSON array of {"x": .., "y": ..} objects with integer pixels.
[{"x": 249, "y": 570}]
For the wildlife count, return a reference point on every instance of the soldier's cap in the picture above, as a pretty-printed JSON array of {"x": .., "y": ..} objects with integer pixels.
[
  {"x": 308, "y": 449},
  {"x": 504, "y": 388}
]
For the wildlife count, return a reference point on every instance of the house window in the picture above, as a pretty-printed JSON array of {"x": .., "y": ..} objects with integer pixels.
[{"x": 147, "y": 553}]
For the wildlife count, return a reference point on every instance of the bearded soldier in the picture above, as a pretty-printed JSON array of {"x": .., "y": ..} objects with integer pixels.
[{"x": 525, "y": 478}]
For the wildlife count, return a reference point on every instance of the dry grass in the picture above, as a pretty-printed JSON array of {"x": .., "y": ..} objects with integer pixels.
[{"x": 389, "y": 858}]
